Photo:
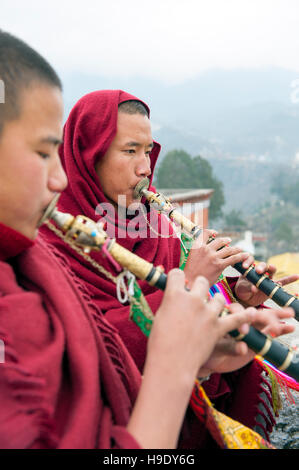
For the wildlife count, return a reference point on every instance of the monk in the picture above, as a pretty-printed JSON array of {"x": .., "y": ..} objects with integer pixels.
[
  {"x": 67, "y": 380},
  {"x": 108, "y": 148}
]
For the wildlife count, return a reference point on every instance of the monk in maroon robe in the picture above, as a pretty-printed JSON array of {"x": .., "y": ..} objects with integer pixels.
[{"x": 107, "y": 149}]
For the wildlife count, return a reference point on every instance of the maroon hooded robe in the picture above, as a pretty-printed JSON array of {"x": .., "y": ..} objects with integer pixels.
[{"x": 67, "y": 380}]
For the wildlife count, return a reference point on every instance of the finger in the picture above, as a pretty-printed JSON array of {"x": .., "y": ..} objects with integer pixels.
[
  {"x": 241, "y": 348},
  {"x": 248, "y": 261},
  {"x": 229, "y": 346},
  {"x": 209, "y": 234},
  {"x": 217, "y": 304},
  {"x": 266, "y": 314},
  {"x": 235, "y": 320},
  {"x": 231, "y": 260},
  {"x": 220, "y": 242},
  {"x": 235, "y": 308},
  {"x": 200, "y": 287},
  {"x": 175, "y": 280},
  {"x": 269, "y": 320},
  {"x": 261, "y": 268},
  {"x": 203, "y": 238},
  {"x": 288, "y": 279},
  {"x": 244, "y": 290},
  {"x": 272, "y": 269},
  {"x": 278, "y": 329},
  {"x": 286, "y": 312},
  {"x": 228, "y": 251}
]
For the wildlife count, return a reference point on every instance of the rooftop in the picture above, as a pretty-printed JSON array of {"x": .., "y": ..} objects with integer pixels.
[{"x": 184, "y": 194}]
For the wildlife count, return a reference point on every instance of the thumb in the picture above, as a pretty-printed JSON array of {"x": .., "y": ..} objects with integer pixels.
[{"x": 244, "y": 290}]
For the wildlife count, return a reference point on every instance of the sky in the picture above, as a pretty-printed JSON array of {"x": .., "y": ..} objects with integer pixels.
[{"x": 171, "y": 41}]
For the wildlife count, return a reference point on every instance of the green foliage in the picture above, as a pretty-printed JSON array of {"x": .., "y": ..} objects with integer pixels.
[
  {"x": 284, "y": 233},
  {"x": 234, "y": 220},
  {"x": 179, "y": 170},
  {"x": 285, "y": 184},
  {"x": 176, "y": 171},
  {"x": 280, "y": 222}
]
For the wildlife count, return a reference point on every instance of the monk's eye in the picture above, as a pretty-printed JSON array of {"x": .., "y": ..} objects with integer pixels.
[{"x": 43, "y": 155}]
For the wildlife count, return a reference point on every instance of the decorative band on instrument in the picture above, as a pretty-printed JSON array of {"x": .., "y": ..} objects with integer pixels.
[
  {"x": 287, "y": 361},
  {"x": 239, "y": 337},
  {"x": 261, "y": 280},
  {"x": 273, "y": 292},
  {"x": 248, "y": 270},
  {"x": 291, "y": 299},
  {"x": 155, "y": 278},
  {"x": 224, "y": 312},
  {"x": 266, "y": 347}
]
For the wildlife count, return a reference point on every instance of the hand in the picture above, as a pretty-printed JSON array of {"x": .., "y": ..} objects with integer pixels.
[
  {"x": 187, "y": 327},
  {"x": 230, "y": 355},
  {"x": 209, "y": 260},
  {"x": 248, "y": 293}
]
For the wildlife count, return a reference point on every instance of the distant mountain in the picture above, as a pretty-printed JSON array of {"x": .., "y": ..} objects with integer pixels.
[
  {"x": 242, "y": 120},
  {"x": 221, "y": 112}
]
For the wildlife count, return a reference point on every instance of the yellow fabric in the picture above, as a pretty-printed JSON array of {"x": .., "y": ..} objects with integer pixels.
[
  {"x": 234, "y": 434},
  {"x": 286, "y": 265}
]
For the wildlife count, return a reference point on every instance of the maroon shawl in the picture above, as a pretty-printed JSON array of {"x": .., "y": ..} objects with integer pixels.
[
  {"x": 67, "y": 380},
  {"x": 88, "y": 132}
]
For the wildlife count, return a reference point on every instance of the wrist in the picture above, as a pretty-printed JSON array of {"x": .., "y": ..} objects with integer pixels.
[{"x": 153, "y": 405}]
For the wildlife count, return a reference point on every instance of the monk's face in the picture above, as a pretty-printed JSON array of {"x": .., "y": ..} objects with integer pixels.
[
  {"x": 127, "y": 160},
  {"x": 30, "y": 168}
]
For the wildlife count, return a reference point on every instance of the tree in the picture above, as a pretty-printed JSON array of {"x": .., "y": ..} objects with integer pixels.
[
  {"x": 234, "y": 220},
  {"x": 179, "y": 170},
  {"x": 176, "y": 171},
  {"x": 205, "y": 179},
  {"x": 285, "y": 183}
]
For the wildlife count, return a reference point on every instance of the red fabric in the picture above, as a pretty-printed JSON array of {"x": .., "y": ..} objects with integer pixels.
[
  {"x": 88, "y": 133},
  {"x": 12, "y": 243},
  {"x": 67, "y": 380}
]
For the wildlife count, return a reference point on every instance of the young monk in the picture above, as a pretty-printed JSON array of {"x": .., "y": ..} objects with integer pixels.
[
  {"x": 67, "y": 380},
  {"x": 108, "y": 148}
]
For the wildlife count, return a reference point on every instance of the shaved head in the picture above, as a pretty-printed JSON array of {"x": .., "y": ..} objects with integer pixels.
[{"x": 20, "y": 68}]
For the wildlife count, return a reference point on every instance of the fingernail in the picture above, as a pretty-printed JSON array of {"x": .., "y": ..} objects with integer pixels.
[{"x": 244, "y": 329}]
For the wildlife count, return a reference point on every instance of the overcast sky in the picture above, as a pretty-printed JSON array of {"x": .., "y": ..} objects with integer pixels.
[{"x": 168, "y": 40}]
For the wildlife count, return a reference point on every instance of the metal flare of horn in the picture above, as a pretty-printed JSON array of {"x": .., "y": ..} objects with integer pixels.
[
  {"x": 141, "y": 188},
  {"x": 49, "y": 210},
  {"x": 163, "y": 204}
]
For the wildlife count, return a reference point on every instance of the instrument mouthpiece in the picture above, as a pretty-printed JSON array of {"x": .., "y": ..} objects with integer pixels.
[
  {"x": 140, "y": 187},
  {"x": 49, "y": 210}
]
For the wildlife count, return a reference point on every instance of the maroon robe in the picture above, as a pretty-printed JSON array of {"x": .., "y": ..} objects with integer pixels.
[{"x": 67, "y": 380}]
